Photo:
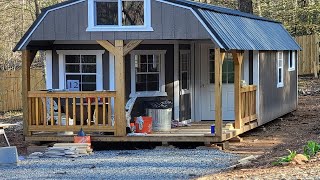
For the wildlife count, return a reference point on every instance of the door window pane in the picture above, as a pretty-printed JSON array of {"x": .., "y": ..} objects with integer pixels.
[
  {"x": 227, "y": 68},
  {"x": 107, "y": 13},
  {"x": 132, "y": 13}
]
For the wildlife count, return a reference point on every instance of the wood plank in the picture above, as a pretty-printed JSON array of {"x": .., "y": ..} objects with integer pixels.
[
  {"x": 104, "y": 111},
  {"x": 44, "y": 102},
  {"x": 96, "y": 122},
  {"x": 71, "y": 94},
  {"x": 59, "y": 111},
  {"x": 81, "y": 111},
  {"x": 59, "y": 128},
  {"x": 237, "y": 58},
  {"x": 109, "y": 112},
  {"x": 130, "y": 46},
  {"x": 74, "y": 111},
  {"x": 89, "y": 111},
  {"x": 219, "y": 57},
  {"x": 27, "y": 58},
  {"x": 51, "y": 111},
  {"x": 37, "y": 111},
  {"x": 108, "y": 46},
  {"x": 120, "y": 117},
  {"x": 67, "y": 111}
]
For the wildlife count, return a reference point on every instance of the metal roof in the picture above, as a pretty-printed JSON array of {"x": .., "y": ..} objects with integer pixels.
[
  {"x": 237, "y": 32},
  {"x": 232, "y": 29}
]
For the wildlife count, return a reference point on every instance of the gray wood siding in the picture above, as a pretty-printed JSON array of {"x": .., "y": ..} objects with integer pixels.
[
  {"x": 275, "y": 102},
  {"x": 168, "y": 22}
]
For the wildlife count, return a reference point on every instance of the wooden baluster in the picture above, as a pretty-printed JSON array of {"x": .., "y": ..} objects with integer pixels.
[
  {"x": 81, "y": 111},
  {"x": 33, "y": 112},
  {"x": 37, "y": 111},
  {"x": 104, "y": 111},
  {"x": 110, "y": 111},
  {"x": 44, "y": 111},
  {"x": 74, "y": 111},
  {"x": 59, "y": 111},
  {"x": 52, "y": 111},
  {"x": 30, "y": 111},
  {"x": 96, "y": 122},
  {"x": 249, "y": 105},
  {"x": 67, "y": 111},
  {"x": 89, "y": 111}
]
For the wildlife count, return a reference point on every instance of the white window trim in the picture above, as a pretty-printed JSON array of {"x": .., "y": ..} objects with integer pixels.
[
  {"x": 91, "y": 19},
  {"x": 162, "y": 92},
  {"x": 280, "y": 65},
  {"x": 293, "y": 55},
  {"x": 99, "y": 73},
  {"x": 48, "y": 69}
]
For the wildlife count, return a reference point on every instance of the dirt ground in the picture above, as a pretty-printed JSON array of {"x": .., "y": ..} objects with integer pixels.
[{"x": 270, "y": 141}]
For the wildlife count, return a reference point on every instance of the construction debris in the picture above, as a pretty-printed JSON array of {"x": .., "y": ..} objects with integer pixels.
[{"x": 70, "y": 150}]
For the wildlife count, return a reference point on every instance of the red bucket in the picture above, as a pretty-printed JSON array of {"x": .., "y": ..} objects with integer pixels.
[{"x": 145, "y": 127}]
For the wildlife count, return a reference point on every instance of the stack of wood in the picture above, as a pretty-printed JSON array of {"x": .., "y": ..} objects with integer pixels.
[{"x": 70, "y": 150}]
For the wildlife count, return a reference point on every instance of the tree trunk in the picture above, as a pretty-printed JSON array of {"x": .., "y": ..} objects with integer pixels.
[
  {"x": 37, "y": 8},
  {"x": 245, "y": 6}
]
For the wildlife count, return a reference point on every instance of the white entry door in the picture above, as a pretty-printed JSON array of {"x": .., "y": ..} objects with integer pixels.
[{"x": 207, "y": 85}]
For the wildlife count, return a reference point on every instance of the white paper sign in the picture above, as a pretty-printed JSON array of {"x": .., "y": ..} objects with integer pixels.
[{"x": 73, "y": 85}]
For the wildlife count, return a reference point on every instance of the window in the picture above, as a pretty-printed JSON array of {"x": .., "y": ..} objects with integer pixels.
[
  {"x": 147, "y": 73},
  {"x": 119, "y": 15},
  {"x": 80, "y": 70},
  {"x": 280, "y": 69},
  {"x": 227, "y": 68},
  {"x": 185, "y": 69},
  {"x": 292, "y": 60}
]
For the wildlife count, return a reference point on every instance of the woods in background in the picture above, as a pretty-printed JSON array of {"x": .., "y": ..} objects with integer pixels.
[{"x": 300, "y": 17}]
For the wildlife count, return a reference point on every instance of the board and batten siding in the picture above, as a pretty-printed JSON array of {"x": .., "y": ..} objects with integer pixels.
[
  {"x": 275, "y": 102},
  {"x": 168, "y": 22}
]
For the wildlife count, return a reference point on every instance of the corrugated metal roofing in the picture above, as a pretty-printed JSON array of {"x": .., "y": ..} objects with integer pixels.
[
  {"x": 238, "y": 32},
  {"x": 218, "y": 9},
  {"x": 232, "y": 28}
]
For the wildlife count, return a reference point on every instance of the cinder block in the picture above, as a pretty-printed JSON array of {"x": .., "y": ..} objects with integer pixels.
[{"x": 8, "y": 155}]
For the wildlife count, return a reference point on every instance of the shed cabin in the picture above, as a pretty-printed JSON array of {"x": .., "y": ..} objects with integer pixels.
[{"x": 218, "y": 66}]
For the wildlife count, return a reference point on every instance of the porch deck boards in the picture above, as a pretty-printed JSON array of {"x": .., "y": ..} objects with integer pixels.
[{"x": 197, "y": 132}]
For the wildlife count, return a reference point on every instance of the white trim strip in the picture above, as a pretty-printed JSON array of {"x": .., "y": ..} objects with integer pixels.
[
  {"x": 40, "y": 21},
  {"x": 198, "y": 17},
  {"x": 61, "y": 72},
  {"x": 176, "y": 83},
  {"x": 48, "y": 69}
]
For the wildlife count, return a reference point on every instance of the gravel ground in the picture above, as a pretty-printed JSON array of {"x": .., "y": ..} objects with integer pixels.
[{"x": 159, "y": 163}]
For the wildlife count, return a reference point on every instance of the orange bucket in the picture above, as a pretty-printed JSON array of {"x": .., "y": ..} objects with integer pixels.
[{"x": 146, "y": 127}]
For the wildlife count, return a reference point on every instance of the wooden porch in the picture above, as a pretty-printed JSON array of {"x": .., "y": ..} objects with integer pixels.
[{"x": 48, "y": 113}]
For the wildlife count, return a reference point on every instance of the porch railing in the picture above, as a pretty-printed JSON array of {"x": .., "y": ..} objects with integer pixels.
[
  {"x": 248, "y": 103},
  {"x": 70, "y": 111}
]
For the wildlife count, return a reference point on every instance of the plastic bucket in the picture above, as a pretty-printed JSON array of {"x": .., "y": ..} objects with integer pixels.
[{"x": 145, "y": 127}]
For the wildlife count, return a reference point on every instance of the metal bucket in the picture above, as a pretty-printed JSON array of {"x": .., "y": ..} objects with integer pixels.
[{"x": 161, "y": 119}]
